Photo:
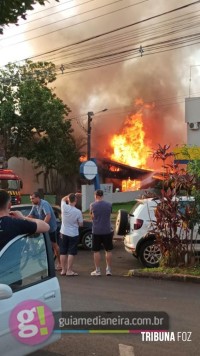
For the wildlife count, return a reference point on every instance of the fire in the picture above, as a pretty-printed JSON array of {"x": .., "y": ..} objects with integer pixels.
[
  {"x": 82, "y": 158},
  {"x": 129, "y": 147},
  {"x": 128, "y": 185}
]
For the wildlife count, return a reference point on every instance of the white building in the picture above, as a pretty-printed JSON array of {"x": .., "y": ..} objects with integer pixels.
[{"x": 192, "y": 118}]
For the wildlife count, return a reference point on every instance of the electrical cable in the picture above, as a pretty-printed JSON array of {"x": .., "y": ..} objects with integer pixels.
[
  {"x": 116, "y": 29},
  {"x": 55, "y": 12},
  {"x": 48, "y": 8},
  {"x": 67, "y": 18},
  {"x": 93, "y": 18}
]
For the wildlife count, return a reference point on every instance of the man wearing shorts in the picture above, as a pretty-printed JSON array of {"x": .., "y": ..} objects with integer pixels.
[
  {"x": 102, "y": 232},
  {"x": 43, "y": 210},
  {"x": 71, "y": 220}
]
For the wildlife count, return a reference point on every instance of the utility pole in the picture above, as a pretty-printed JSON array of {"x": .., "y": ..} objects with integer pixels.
[{"x": 90, "y": 114}]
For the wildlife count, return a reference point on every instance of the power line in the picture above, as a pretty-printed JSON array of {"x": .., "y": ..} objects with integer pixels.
[
  {"x": 109, "y": 57},
  {"x": 131, "y": 112},
  {"x": 108, "y": 45},
  {"x": 135, "y": 54},
  {"x": 49, "y": 8},
  {"x": 165, "y": 101},
  {"x": 116, "y": 54},
  {"x": 93, "y": 18},
  {"x": 114, "y": 30},
  {"x": 127, "y": 54},
  {"x": 127, "y": 112},
  {"x": 55, "y": 22}
]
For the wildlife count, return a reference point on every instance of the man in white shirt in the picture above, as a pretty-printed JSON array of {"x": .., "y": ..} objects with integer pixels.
[{"x": 71, "y": 220}]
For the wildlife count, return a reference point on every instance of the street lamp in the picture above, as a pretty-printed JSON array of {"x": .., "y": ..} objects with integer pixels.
[{"x": 90, "y": 114}]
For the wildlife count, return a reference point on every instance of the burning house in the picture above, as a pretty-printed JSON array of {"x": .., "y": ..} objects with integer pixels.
[
  {"x": 127, "y": 163},
  {"x": 125, "y": 177}
]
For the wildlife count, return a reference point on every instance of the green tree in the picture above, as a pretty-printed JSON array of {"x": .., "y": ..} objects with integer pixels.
[
  {"x": 11, "y": 10},
  {"x": 15, "y": 127},
  {"x": 33, "y": 122}
]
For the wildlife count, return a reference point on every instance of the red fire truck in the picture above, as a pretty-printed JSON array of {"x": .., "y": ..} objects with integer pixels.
[{"x": 12, "y": 183}]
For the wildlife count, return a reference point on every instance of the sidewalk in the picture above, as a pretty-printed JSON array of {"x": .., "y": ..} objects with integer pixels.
[{"x": 164, "y": 276}]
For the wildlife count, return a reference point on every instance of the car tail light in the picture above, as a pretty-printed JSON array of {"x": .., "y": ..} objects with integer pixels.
[
  {"x": 138, "y": 224},
  {"x": 18, "y": 199}
]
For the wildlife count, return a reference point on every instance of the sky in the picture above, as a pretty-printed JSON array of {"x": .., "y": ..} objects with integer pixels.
[{"x": 164, "y": 78}]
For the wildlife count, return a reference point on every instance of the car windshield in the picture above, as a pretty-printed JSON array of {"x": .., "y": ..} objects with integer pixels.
[
  {"x": 24, "y": 210},
  {"x": 10, "y": 184}
]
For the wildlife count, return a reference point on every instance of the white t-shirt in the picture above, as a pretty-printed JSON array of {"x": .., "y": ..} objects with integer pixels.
[{"x": 71, "y": 217}]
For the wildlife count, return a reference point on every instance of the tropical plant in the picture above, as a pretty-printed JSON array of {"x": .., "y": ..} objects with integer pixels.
[{"x": 174, "y": 224}]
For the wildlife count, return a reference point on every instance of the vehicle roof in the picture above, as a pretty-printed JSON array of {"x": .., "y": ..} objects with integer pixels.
[
  {"x": 8, "y": 174},
  {"x": 156, "y": 199},
  {"x": 30, "y": 205},
  {"x": 147, "y": 200}
]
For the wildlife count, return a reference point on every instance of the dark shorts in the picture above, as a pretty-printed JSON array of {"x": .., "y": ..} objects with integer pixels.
[
  {"x": 99, "y": 240},
  {"x": 68, "y": 245},
  {"x": 53, "y": 236}
]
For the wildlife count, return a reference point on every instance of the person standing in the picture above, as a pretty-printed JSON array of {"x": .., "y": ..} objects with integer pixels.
[
  {"x": 43, "y": 210},
  {"x": 14, "y": 223},
  {"x": 71, "y": 220},
  {"x": 101, "y": 211}
]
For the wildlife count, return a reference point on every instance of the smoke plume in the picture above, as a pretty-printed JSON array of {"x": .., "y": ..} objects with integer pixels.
[{"x": 158, "y": 78}]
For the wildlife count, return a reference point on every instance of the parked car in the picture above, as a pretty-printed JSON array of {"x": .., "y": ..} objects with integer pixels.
[
  {"x": 135, "y": 228},
  {"x": 27, "y": 284},
  {"x": 85, "y": 231}
]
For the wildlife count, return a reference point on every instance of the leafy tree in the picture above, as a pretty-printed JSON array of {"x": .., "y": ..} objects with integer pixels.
[
  {"x": 15, "y": 127},
  {"x": 11, "y": 10},
  {"x": 33, "y": 121}
]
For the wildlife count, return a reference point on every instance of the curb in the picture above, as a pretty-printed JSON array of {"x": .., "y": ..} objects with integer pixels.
[{"x": 168, "y": 277}]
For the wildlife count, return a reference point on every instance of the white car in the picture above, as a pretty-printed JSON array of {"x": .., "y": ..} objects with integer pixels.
[
  {"x": 29, "y": 294},
  {"x": 135, "y": 227}
]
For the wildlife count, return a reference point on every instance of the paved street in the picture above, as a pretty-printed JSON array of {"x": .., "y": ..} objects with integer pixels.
[{"x": 121, "y": 293}]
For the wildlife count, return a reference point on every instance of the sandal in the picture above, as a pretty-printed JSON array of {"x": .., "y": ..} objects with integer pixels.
[
  {"x": 71, "y": 274},
  {"x": 63, "y": 273},
  {"x": 58, "y": 268}
]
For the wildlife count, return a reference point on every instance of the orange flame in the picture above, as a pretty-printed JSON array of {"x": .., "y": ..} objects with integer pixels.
[
  {"x": 82, "y": 158},
  {"x": 129, "y": 147},
  {"x": 130, "y": 185}
]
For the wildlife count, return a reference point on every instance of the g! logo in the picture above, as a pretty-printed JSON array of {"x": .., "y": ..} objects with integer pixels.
[{"x": 31, "y": 322}]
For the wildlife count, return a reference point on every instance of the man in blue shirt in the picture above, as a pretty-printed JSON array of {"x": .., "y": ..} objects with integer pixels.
[{"x": 43, "y": 210}]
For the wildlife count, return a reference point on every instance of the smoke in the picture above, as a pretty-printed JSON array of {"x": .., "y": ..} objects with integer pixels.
[{"x": 115, "y": 87}]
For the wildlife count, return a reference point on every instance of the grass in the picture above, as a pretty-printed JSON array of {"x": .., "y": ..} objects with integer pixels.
[
  {"x": 192, "y": 271},
  {"x": 126, "y": 206}
]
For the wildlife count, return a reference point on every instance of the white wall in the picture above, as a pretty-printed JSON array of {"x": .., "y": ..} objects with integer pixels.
[
  {"x": 192, "y": 115},
  {"x": 116, "y": 197}
]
